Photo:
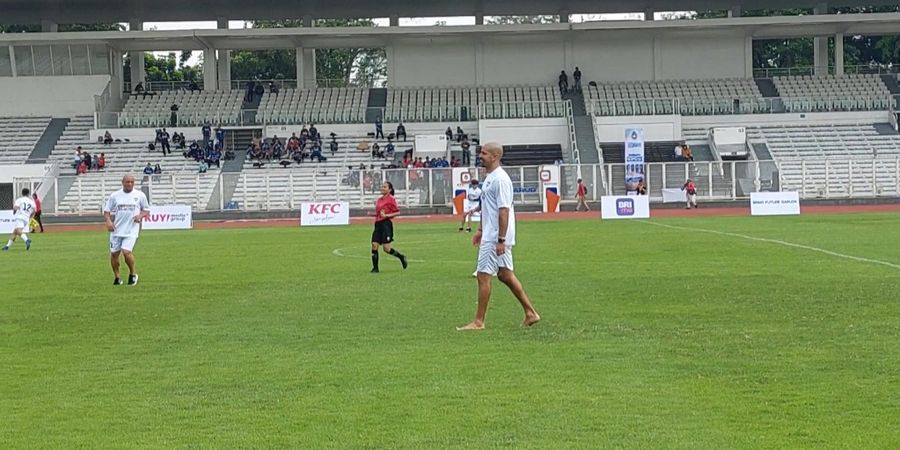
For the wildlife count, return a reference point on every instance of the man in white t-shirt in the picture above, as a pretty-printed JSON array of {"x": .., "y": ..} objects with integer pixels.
[
  {"x": 124, "y": 211},
  {"x": 472, "y": 204},
  {"x": 496, "y": 237},
  {"x": 23, "y": 210}
]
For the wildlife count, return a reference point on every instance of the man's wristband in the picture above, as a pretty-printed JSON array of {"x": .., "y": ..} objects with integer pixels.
[{"x": 501, "y": 240}]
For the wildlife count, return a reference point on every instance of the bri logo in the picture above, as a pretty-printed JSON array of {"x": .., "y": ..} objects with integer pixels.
[
  {"x": 624, "y": 207},
  {"x": 324, "y": 208}
]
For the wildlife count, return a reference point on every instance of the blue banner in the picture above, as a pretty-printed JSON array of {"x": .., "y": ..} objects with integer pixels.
[{"x": 634, "y": 158}]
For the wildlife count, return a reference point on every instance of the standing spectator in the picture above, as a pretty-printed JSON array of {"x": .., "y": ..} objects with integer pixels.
[
  {"x": 313, "y": 132},
  {"x": 37, "y": 212},
  {"x": 576, "y": 77},
  {"x": 107, "y": 138},
  {"x": 157, "y": 170},
  {"x": 173, "y": 117},
  {"x": 679, "y": 152},
  {"x": 220, "y": 135},
  {"x": 459, "y": 134},
  {"x": 472, "y": 205},
  {"x": 251, "y": 88},
  {"x": 466, "y": 151},
  {"x": 581, "y": 196},
  {"x": 77, "y": 161},
  {"x": 401, "y": 131},
  {"x": 333, "y": 145},
  {"x": 449, "y": 134},
  {"x": 207, "y": 132},
  {"x": 690, "y": 190},
  {"x": 385, "y": 209},
  {"x": 496, "y": 238},
  {"x": 164, "y": 142},
  {"x": 563, "y": 82},
  {"x": 379, "y": 128}
]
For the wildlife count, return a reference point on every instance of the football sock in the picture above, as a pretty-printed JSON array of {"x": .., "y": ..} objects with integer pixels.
[
  {"x": 395, "y": 253},
  {"x": 9, "y": 243},
  {"x": 375, "y": 259},
  {"x": 25, "y": 236}
]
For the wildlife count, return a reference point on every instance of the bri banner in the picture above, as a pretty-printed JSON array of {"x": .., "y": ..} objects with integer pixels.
[{"x": 169, "y": 217}]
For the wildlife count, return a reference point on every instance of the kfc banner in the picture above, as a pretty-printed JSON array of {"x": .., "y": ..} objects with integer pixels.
[
  {"x": 549, "y": 175},
  {"x": 169, "y": 217},
  {"x": 324, "y": 213}
]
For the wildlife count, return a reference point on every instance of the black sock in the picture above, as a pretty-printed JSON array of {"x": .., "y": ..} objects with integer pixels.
[
  {"x": 375, "y": 259},
  {"x": 395, "y": 253}
]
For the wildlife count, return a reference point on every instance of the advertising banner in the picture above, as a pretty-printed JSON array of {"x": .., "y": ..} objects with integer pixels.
[
  {"x": 625, "y": 207},
  {"x": 549, "y": 175},
  {"x": 774, "y": 203},
  {"x": 634, "y": 158},
  {"x": 324, "y": 213},
  {"x": 7, "y": 222},
  {"x": 169, "y": 217}
]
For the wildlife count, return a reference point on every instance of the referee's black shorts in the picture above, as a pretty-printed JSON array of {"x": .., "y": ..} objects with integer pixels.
[{"x": 383, "y": 233}]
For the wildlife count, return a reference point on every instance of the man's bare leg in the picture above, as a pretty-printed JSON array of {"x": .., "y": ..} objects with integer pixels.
[
  {"x": 129, "y": 261},
  {"x": 484, "y": 297},
  {"x": 508, "y": 277},
  {"x": 114, "y": 262}
]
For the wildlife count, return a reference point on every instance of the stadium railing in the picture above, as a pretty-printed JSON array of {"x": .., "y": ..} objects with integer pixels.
[
  {"x": 276, "y": 190},
  {"x": 736, "y": 105},
  {"x": 870, "y": 69}
]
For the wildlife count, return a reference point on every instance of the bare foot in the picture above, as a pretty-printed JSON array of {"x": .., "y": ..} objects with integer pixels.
[
  {"x": 531, "y": 320},
  {"x": 471, "y": 327}
]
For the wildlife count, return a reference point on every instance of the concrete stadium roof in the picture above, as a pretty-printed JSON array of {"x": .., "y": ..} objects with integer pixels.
[
  {"x": 92, "y": 11},
  {"x": 755, "y": 27}
]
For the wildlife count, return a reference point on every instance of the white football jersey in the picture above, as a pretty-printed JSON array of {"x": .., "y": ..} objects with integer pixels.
[
  {"x": 473, "y": 193},
  {"x": 124, "y": 207},
  {"x": 497, "y": 192},
  {"x": 24, "y": 207}
]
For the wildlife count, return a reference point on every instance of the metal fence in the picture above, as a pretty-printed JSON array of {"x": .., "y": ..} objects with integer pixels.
[
  {"x": 281, "y": 190},
  {"x": 739, "y": 105}
]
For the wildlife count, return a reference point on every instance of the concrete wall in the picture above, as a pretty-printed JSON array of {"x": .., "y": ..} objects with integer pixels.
[
  {"x": 601, "y": 56},
  {"x": 8, "y": 173},
  {"x": 525, "y": 131},
  {"x": 50, "y": 96},
  {"x": 656, "y": 128}
]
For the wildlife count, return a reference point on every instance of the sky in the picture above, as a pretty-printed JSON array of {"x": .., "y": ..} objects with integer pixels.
[{"x": 382, "y": 22}]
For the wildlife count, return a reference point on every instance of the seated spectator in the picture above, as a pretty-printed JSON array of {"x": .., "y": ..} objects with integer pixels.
[
  {"x": 317, "y": 154},
  {"x": 255, "y": 152},
  {"x": 95, "y": 163},
  {"x": 389, "y": 150},
  {"x": 687, "y": 152},
  {"x": 376, "y": 151},
  {"x": 176, "y": 139},
  {"x": 86, "y": 157},
  {"x": 102, "y": 162},
  {"x": 148, "y": 170},
  {"x": 304, "y": 133},
  {"x": 77, "y": 161},
  {"x": 401, "y": 131},
  {"x": 139, "y": 88},
  {"x": 192, "y": 86},
  {"x": 449, "y": 134},
  {"x": 182, "y": 142},
  {"x": 193, "y": 152},
  {"x": 297, "y": 156},
  {"x": 273, "y": 88},
  {"x": 229, "y": 154},
  {"x": 313, "y": 132},
  {"x": 266, "y": 150},
  {"x": 202, "y": 166},
  {"x": 107, "y": 138},
  {"x": 293, "y": 144},
  {"x": 459, "y": 134},
  {"x": 157, "y": 170},
  {"x": 82, "y": 168},
  {"x": 641, "y": 188},
  {"x": 215, "y": 156}
]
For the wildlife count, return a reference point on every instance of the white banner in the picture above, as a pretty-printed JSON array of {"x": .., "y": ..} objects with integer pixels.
[
  {"x": 169, "y": 217},
  {"x": 774, "y": 203},
  {"x": 634, "y": 158},
  {"x": 672, "y": 195},
  {"x": 7, "y": 222},
  {"x": 549, "y": 175},
  {"x": 625, "y": 207},
  {"x": 324, "y": 213}
]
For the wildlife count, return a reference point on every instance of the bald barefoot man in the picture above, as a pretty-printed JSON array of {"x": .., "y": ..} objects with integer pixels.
[
  {"x": 495, "y": 239},
  {"x": 124, "y": 212}
]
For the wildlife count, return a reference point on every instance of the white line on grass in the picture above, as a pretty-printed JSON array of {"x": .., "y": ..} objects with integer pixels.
[{"x": 776, "y": 241}]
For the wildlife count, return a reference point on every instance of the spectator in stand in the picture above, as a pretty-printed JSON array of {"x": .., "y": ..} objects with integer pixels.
[
  {"x": 313, "y": 132},
  {"x": 466, "y": 152},
  {"x": 679, "y": 152},
  {"x": 194, "y": 151},
  {"x": 293, "y": 144},
  {"x": 401, "y": 131},
  {"x": 563, "y": 82},
  {"x": 202, "y": 166},
  {"x": 459, "y": 134},
  {"x": 581, "y": 196},
  {"x": 333, "y": 144},
  {"x": 317, "y": 153},
  {"x": 37, "y": 213},
  {"x": 193, "y": 86},
  {"x": 690, "y": 191},
  {"x": 139, "y": 88},
  {"x": 273, "y": 88},
  {"x": 164, "y": 142},
  {"x": 148, "y": 170},
  {"x": 576, "y": 77},
  {"x": 251, "y": 88},
  {"x": 389, "y": 150},
  {"x": 215, "y": 157},
  {"x": 173, "y": 117},
  {"x": 260, "y": 90},
  {"x": 379, "y": 128},
  {"x": 229, "y": 154},
  {"x": 207, "y": 133},
  {"x": 157, "y": 169},
  {"x": 95, "y": 163},
  {"x": 449, "y": 133},
  {"x": 266, "y": 150},
  {"x": 107, "y": 138},
  {"x": 102, "y": 163},
  {"x": 77, "y": 160},
  {"x": 687, "y": 152},
  {"x": 254, "y": 151},
  {"x": 641, "y": 188},
  {"x": 86, "y": 158},
  {"x": 82, "y": 168}
]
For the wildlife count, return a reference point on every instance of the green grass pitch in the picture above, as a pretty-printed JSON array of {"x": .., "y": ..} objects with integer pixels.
[{"x": 652, "y": 337}]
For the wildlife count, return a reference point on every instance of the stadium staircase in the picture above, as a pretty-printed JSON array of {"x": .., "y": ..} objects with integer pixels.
[
  {"x": 376, "y": 104},
  {"x": 768, "y": 90},
  {"x": 885, "y": 129},
  {"x": 891, "y": 82},
  {"x": 231, "y": 169},
  {"x": 762, "y": 151},
  {"x": 47, "y": 142},
  {"x": 584, "y": 128},
  {"x": 251, "y": 108}
]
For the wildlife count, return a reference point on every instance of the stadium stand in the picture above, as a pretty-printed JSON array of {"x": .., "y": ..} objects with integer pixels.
[
  {"x": 716, "y": 96},
  {"x": 322, "y": 105},
  {"x": 817, "y": 142},
  {"x": 194, "y": 108},
  {"x": 465, "y": 103},
  {"x": 18, "y": 135},
  {"x": 854, "y": 92}
]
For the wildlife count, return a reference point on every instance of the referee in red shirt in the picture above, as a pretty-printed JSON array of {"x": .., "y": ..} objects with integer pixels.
[{"x": 385, "y": 209}]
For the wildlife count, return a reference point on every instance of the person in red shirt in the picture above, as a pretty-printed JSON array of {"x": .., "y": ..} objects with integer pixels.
[
  {"x": 580, "y": 195},
  {"x": 37, "y": 212},
  {"x": 690, "y": 190},
  {"x": 385, "y": 209}
]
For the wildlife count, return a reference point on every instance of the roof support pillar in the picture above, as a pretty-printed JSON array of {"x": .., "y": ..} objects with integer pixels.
[{"x": 839, "y": 54}]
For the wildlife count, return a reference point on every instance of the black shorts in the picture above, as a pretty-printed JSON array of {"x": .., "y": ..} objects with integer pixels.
[{"x": 383, "y": 233}]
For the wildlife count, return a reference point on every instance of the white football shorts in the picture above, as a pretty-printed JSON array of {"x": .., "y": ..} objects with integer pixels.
[
  {"x": 117, "y": 244},
  {"x": 488, "y": 260}
]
